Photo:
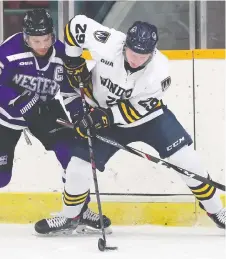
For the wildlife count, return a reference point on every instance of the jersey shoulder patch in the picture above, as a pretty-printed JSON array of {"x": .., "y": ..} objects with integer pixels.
[
  {"x": 166, "y": 83},
  {"x": 101, "y": 36}
]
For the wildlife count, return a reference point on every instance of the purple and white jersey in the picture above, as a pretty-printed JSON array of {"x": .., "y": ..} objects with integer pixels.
[{"x": 21, "y": 71}]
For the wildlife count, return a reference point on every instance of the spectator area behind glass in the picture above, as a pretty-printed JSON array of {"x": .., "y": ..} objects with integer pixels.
[{"x": 14, "y": 12}]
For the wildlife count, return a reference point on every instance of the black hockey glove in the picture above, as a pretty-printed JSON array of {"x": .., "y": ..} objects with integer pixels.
[
  {"x": 38, "y": 113},
  {"x": 76, "y": 71},
  {"x": 97, "y": 118},
  {"x": 49, "y": 113}
]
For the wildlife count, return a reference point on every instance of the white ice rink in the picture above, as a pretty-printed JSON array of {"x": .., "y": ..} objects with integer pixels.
[{"x": 19, "y": 242}]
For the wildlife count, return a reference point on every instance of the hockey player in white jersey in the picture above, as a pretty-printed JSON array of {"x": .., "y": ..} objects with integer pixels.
[{"x": 129, "y": 79}]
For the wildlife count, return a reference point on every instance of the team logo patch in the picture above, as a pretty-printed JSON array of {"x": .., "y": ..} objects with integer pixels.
[
  {"x": 166, "y": 83},
  {"x": 101, "y": 36}
]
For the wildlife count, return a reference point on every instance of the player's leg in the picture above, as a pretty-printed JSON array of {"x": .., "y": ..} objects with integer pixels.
[
  {"x": 103, "y": 152},
  {"x": 171, "y": 140},
  {"x": 207, "y": 195},
  {"x": 8, "y": 141},
  {"x": 77, "y": 178},
  {"x": 80, "y": 164}
]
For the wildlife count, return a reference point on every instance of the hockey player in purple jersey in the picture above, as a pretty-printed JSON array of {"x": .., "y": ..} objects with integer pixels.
[{"x": 31, "y": 76}]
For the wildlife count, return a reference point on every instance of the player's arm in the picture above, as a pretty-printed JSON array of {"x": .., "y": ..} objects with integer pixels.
[
  {"x": 127, "y": 111},
  {"x": 6, "y": 68},
  {"x": 148, "y": 103},
  {"x": 75, "y": 35},
  {"x": 140, "y": 106},
  {"x": 82, "y": 33},
  {"x": 23, "y": 103}
]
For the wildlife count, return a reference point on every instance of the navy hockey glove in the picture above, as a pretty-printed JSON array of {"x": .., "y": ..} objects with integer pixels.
[
  {"x": 76, "y": 71},
  {"x": 97, "y": 118}
]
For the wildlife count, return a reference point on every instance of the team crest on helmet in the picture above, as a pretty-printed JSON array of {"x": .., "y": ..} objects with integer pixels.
[{"x": 134, "y": 29}]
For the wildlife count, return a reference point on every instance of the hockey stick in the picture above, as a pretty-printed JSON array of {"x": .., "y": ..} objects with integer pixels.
[
  {"x": 102, "y": 241},
  {"x": 151, "y": 158},
  {"x": 28, "y": 141}
]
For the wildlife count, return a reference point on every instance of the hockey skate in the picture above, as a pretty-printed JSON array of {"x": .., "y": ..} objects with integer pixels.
[
  {"x": 90, "y": 222},
  {"x": 219, "y": 218},
  {"x": 57, "y": 226},
  {"x": 87, "y": 223}
]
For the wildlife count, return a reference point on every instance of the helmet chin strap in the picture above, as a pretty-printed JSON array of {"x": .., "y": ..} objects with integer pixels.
[{"x": 145, "y": 63}]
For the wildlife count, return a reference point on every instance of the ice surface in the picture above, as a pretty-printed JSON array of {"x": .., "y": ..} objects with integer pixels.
[{"x": 152, "y": 242}]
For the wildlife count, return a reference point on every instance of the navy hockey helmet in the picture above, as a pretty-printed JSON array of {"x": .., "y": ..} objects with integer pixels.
[
  {"x": 38, "y": 22},
  {"x": 142, "y": 37}
]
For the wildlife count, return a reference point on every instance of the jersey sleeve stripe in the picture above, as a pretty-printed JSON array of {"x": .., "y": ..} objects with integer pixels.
[
  {"x": 130, "y": 113},
  {"x": 130, "y": 110},
  {"x": 69, "y": 37},
  {"x": 126, "y": 114},
  {"x": 133, "y": 111}
]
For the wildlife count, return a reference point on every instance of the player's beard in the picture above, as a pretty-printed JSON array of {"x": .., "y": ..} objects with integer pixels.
[{"x": 47, "y": 54}]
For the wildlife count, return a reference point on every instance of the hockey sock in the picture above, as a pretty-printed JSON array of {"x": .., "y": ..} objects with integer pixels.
[
  {"x": 76, "y": 188},
  {"x": 188, "y": 158}
]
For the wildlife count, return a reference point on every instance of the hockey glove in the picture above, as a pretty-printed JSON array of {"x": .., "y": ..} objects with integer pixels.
[
  {"x": 76, "y": 71},
  {"x": 37, "y": 113},
  {"x": 28, "y": 104},
  {"x": 97, "y": 118}
]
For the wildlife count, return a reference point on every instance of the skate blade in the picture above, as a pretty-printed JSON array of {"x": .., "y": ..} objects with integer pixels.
[
  {"x": 86, "y": 230},
  {"x": 61, "y": 233},
  {"x": 80, "y": 230}
]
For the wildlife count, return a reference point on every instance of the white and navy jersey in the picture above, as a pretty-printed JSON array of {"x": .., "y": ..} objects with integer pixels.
[
  {"x": 21, "y": 71},
  {"x": 134, "y": 98}
]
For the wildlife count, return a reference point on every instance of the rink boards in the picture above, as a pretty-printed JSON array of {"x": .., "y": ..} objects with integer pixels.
[{"x": 136, "y": 191}]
